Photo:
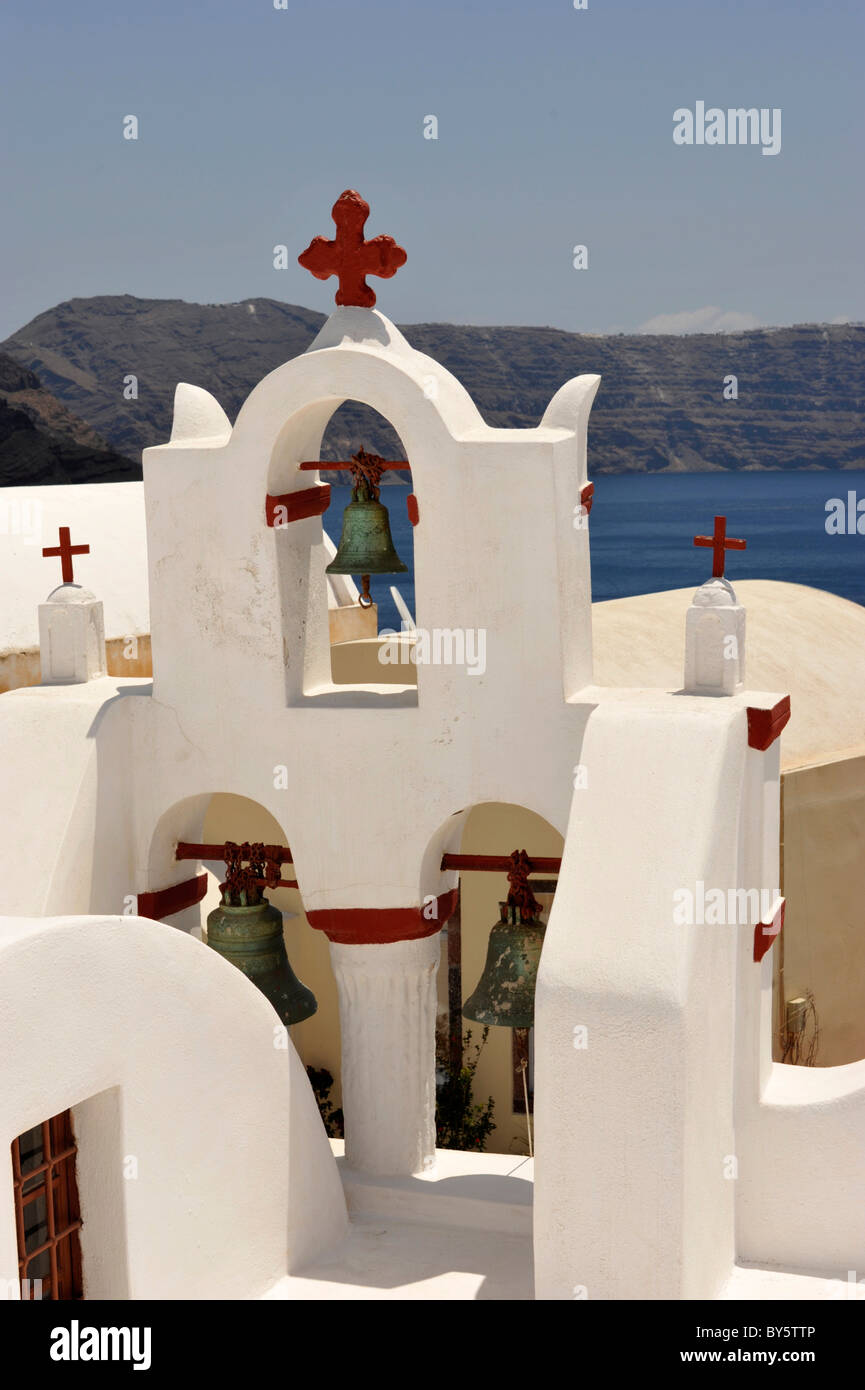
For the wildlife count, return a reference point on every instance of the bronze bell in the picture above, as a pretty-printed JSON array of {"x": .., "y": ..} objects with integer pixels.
[
  {"x": 505, "y": 993},
  {"x": 251, "y": 938},
  {"x": 366, "y": 545}
]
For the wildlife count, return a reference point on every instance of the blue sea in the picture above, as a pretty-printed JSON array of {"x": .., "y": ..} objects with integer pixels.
[{"x": 642, "y": 528}]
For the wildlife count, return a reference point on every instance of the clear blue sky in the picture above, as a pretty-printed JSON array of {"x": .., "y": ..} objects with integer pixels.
[{"x": 555, "y": 128}]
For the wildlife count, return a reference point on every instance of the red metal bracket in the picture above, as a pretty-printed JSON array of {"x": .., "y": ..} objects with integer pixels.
[
  {"x": 310, "y": 501},
  {"x": 766, "y": 933},
  {"x": 412, "y": 509},
  {"x": 765, "y": 725},
  {"x": 166, "y": 901},
  {"x": 587, "y": 497}
]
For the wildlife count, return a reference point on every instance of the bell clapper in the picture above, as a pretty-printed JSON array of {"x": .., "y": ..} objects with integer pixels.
[{"x": 364, "y": 598}]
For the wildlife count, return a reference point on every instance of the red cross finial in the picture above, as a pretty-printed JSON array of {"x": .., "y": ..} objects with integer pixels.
[
  {"x": 65, "y": 550},
  {"x": 349, "y": 256},
  {"x": 719, "y": 541}
]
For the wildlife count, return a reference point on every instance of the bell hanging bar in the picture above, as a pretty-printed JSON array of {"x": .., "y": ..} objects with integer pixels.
[
  {"x": 496, "y": 863},
  {"x": 280, "y": 854},
  {"x": 329, "y": 466}
]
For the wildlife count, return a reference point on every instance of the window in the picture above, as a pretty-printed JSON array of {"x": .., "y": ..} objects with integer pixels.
[{"x": 47, "y": 1214}]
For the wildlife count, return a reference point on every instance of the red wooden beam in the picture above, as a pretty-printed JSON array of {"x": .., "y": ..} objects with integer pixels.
[
  {"x": 282, "y": 856},
  {"x": 496, "y": 863},
  {"x": 297, "y": 506},
  {"x": 329, "y": 466},
  {"x": 166, "y": 901},
  {"x": 189, "y": 851}
]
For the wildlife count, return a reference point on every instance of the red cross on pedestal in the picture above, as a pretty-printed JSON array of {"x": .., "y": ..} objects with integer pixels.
[
  {"x": 719, "y": 541},
  {"x": 65, "y": 550},
  {"x": 349, "y": 256}
]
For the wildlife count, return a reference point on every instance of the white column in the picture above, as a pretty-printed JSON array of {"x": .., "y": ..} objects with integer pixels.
[{"x": 387, "y": 1014}]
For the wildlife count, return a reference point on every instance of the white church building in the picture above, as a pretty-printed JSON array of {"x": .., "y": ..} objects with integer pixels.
[{"x": 152, "y": 1085}]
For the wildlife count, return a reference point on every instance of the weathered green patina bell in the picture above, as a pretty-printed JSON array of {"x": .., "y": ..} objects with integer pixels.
[
  {"x": 366, "y": 545},
  {"x": 505, "y": 993},
  {"x": 251, "y": 938}
]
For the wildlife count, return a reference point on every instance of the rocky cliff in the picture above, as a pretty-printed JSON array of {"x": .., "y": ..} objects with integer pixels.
[
  {"x": 42, "y": 441},
  {"x": 661, "y": 405}
]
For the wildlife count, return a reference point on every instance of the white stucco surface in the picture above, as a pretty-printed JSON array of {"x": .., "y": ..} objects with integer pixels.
[
  {"x": 166, "y": 1055},
  {"x": 371, "y": 784}
]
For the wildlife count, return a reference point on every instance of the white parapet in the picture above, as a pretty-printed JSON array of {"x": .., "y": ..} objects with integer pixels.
[
  {"x": 71, "y": 636},
  {"x": 387, "y": 1012}
]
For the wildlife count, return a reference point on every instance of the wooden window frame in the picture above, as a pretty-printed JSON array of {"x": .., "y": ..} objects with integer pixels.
[{"x": 54, "y": 1179}]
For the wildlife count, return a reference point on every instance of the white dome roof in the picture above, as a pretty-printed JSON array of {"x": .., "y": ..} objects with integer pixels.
[
  {"x": 70, "y": 593},
  {"x": 715, "y": 593},
  {"x": 799, "y": 641}
]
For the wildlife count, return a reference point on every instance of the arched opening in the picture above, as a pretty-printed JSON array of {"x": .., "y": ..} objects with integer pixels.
[
  {"x": 489, "y": 829},
  {"x": 356, "y": 653},
  {"x": 317, "y": 607},
  {"x": 213, "y": 819},
  {"x": 317, "y": 1038}
]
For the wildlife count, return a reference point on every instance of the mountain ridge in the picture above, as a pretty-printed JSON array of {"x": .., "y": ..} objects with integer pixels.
[
  {"x": 43, "y": 442},
  {"x": 661, "y": 406}
]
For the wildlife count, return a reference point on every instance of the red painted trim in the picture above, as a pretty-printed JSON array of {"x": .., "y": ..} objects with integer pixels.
[
  {"x": 378, "y": 926},
  {"x": 765, "y": 725},
  {"x": 767, "y": 933},
  {"x": 310, "y": 501},
  {"x": 587, "y": 497},
  {"x": 497, "y": 863},
  {"x": 166, "y": 901},
  {"x": 412, "y": 509}
]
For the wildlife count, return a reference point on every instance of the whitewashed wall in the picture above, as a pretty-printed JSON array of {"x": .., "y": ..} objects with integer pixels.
[{"x": 166, "y": 1055}]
